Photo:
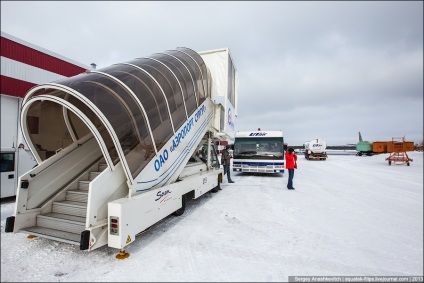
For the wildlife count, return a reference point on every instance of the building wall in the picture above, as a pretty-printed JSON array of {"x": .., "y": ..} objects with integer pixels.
[{"x": 24, "y": 65}]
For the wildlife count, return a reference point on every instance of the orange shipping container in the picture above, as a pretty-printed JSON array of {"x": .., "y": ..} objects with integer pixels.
[
  {"x": 395, "y": 147},
  {"x": 409, "y": 146},
  {"x": 400, "y": 146},
  {"x": 380, "y": 146}
]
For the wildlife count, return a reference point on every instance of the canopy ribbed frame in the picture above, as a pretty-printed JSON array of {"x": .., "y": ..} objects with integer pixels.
[{"x": 135, "y": 107}]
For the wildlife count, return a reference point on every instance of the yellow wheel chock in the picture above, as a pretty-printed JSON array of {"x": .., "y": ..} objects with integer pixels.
[{"x": 122, "y": 255}]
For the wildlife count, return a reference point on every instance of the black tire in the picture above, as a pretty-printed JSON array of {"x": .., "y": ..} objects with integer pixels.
[
  {"x": 218, "y": 187},
  {"x": 180, "y": 211},
  {"x": 407, "y": 164},
  {"x": 390, "y": 163}
]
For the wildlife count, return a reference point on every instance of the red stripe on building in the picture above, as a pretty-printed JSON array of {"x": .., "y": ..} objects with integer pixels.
[
  {"x": 27, "y": 55},
  {"x": 14, "y": 87}
]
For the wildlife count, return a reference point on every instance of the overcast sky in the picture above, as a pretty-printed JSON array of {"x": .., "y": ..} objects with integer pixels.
[{"x": 310, "y": 69}]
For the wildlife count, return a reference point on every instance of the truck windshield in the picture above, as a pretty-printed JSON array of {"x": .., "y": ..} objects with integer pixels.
[{"x": 259, "y": 148}]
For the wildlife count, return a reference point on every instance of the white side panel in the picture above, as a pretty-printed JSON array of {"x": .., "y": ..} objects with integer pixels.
[
  {"x": 174, "y": 155},
  {"x": 9, "y": 122},
  {"x": 54, "y": 173},
  {"x": 193, "y": 168},
  {"x": 108, "y": 186},
  {"x": 217, "y": 63},
  {"x": 230, "y": 120},
  {"x": 142, "y": 211},
  {"x": 26, "y": 161},
  {"x": 218, "y": 67},
  {"x": 21, "y": 71},
  {"x": 9, "y": 140},
  {"x": 236, "y": 94}
]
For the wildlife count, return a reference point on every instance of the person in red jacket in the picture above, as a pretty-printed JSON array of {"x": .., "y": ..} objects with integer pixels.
[{"x": 291, "y": 159}]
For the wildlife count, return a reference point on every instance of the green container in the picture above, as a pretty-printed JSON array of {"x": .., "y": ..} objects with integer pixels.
[{"x": 364, "y": 146}]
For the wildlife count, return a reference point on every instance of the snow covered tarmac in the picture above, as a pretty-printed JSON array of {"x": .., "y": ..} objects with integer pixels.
[{"x": 349, "y": 215}]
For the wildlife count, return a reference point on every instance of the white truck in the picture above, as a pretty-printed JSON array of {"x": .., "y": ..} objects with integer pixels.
[
  {"x": 16, "y": 158},
  {"x": 142, "y": 143},
  {"x": 315, "y": 149}
]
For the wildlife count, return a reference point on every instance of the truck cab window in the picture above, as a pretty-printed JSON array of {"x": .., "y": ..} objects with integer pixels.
[{"x": 7, "y": 162}]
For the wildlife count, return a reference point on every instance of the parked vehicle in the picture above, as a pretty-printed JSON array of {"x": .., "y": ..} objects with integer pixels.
[
  {"x": 138, "y": 149},
  {"x": 315, "y": 149},
  {"x": 259, "y": 152}
]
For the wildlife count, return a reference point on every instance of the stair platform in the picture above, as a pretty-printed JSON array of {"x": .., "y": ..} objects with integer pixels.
[{"x": 66, "y": 237}]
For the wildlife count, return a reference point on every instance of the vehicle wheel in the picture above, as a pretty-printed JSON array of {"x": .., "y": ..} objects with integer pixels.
[
  {"x": 390, "y": 163},
  {"x": 216, "y": 189},
  {"x": 180, "y": 211},
  {"x": 407, "y": 164}
]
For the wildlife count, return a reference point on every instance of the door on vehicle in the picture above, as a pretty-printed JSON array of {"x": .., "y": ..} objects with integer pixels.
[{"x": 8, "y": 174}]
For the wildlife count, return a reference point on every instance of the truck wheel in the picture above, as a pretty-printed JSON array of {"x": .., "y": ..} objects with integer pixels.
[
  {"x": 390, "y": 163},
  {"x": 216, "y": 189},
  {"x": 180, "y": 211}
]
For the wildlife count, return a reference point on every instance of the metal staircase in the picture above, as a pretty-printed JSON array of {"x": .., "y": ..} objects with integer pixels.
[{"x": 67, "y": 219}]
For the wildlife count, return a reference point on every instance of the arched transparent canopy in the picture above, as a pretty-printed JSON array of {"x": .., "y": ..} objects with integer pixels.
[{"x": 137, "y": 105}]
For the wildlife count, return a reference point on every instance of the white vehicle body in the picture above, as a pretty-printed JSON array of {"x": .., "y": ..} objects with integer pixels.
[
  {"x": 315, "y": 149},
  {"x": 131, "y": 165},
  {"x": 259, "y": 152},
  {"x": 16, "y": 158}
]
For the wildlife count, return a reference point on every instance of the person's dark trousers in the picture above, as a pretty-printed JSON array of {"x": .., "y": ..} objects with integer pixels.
[
  {"x": 227, "y": 171},
  {"x": 290, "y": 182}
]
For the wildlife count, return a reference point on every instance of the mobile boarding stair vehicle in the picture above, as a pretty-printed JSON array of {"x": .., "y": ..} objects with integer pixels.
[{"x": 131, "y": 143}]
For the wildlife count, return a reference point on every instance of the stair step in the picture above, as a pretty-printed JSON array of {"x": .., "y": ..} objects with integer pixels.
[
  {"x": 83, "y": 185},
  {"x": 93, "y": 175},
  {"x": 102, "y": 167},
  {"x": 62, "y": 222},
  {"x": 61, "y": 236},
  {"x": 79, "y": 196},
  {"x": 70, "y": 207}
]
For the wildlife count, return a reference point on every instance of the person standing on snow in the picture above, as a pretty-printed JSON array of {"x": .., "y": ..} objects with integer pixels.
[
  {"x": 226, "y": 161},
  {"x": 291, "y": 159}
]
